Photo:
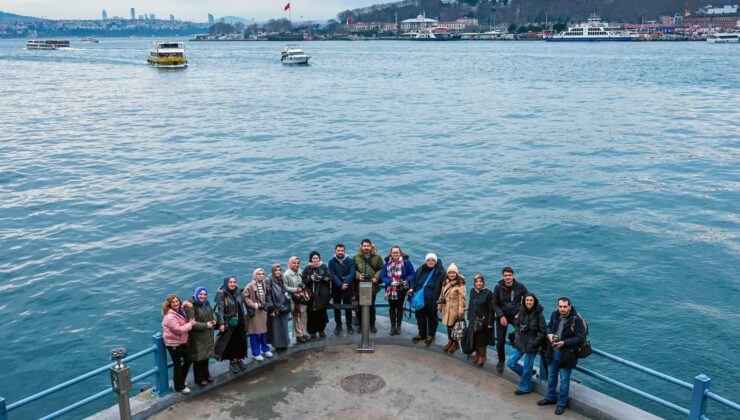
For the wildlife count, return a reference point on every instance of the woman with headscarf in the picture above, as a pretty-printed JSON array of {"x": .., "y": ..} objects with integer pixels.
[
  {"x": 201, "y": 336},
  {"x": 481, "y": 316},
  {"x": 255, "y": 296},
  {"x": 294, "y": 286},
  {"x": 317, "y": 279},
  {"x": 175, "y": 328},
  {"x": 231, "y": 343},
  {"x": 452, "y": 304},
  {"x": 278, "y": 305},
  {"x": 397, "y": 275}
]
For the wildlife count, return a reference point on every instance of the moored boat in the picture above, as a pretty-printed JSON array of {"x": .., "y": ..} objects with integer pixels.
[
  {"x": 294, "y": 55},
  {"x": 46, "y": 44},
  {"x": 90, "y": 39},
  {"x": 723, "y": 37},
  {"x": 593, "y": 30},
  {"x": 167, "y": 54}
]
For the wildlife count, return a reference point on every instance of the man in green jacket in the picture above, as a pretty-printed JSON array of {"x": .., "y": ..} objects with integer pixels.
[{"x": 368, "y": 265}]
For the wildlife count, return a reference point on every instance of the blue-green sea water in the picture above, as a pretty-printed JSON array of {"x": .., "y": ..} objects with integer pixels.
[{"x": 605, "y": 172}]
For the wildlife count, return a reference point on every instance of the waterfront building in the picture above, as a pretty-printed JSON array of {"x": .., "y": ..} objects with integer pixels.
[
  {"x": 710, "y": 21},
  {"x": 211, "y": 20},
  {"x": 418, "y": 23},
  {"x": 133, "y": 14},
  {"x": 104, "y": 15},
  {"x": 650, "y": 28},
  {"x": 371, "y": 26},
  {"x": 452, "y": 26}
]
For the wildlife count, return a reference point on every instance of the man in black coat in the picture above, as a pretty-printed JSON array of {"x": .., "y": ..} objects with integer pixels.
[
  {"x": 508, "y": 296},
  {"x": 565, "y": 333}
]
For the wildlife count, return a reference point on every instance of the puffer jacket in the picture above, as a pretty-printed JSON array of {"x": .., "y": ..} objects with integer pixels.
[
  {"x": 531, "y": 329},
  {"x": 175, "y": 328},
  {"x": 453, "y": 293},
  {"x": 320, "y": 289},
  {"x": 434, "y": 287},
  {"x": 574, "y": 335},
  {"x": 507, "y": 300},
  {"x": 481, "y": 306},
  {"x": 371, "y": 267}
]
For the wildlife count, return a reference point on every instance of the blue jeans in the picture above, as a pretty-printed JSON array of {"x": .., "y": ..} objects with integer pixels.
[
  {"x": 258, "y": 343},
  {"x": 525, "y": 384},
  {"x": 552, "y": 380}
]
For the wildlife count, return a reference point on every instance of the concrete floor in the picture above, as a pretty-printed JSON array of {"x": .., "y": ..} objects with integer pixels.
[{"x": 419, "y": 384}]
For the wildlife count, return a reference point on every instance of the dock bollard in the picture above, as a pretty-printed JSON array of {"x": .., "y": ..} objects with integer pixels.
[
  {"x": 366, "y": 299},
  {"x": 120, "y": 380}
]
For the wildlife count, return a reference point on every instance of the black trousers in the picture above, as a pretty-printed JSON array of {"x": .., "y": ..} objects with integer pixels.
[
  {"x": 181, "y": 359},
  {"x": 426, "y": 320},
  {"x": 372, "y": 311},
  {"x": 343, "y": 297},
  {"x": 395, "y": 312},
  {"x": 501, "y": 338},
  {"x": 200, "y": 371}
]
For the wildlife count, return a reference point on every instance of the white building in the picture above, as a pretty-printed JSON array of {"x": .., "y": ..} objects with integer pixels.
[
  {"x": 725, "y": 10},
  {"x": 418, "y": 23}
]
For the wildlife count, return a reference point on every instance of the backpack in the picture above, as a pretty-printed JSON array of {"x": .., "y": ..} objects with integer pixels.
[{"x": 584, "y": 350}]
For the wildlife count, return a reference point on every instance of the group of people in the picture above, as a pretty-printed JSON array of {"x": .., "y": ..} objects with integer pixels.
[{"x": 259, "y": 314}]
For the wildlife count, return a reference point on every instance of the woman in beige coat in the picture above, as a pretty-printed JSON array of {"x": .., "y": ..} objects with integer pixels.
[
  {"x": 254, "y": 297},
  {"x": 452, "y": 304}
]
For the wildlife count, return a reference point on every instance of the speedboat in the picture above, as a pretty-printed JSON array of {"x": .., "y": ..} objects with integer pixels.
[
  {"x": 167, "y": 54},
  {"x": 294, "y": 55},
  {"x": 723, "y": 38},
  {"x": 46, "y": 44}
]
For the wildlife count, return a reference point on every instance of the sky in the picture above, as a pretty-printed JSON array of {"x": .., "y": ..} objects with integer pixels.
[{"x": 194, "y": 10}]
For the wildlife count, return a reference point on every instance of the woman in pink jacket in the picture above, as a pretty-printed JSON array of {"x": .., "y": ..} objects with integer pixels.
[{"x": 175, "y": 327}]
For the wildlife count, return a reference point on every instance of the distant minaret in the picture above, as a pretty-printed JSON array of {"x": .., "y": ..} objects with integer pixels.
[{"x": 104, "y": 14}]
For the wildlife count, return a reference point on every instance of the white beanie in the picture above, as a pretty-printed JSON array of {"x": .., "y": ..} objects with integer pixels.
[
  {"x": 452, "y": 267},
  {"x": 432, "y": 256}
]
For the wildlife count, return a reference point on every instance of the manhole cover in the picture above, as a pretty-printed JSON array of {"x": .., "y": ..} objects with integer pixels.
[{"x": 362, "y": 383}]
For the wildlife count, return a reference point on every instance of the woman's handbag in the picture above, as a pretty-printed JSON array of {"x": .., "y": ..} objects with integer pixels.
[
  {"x": 417, "y": 300},
  {"x": 458, "y": 330},
  {"x": 480, "y": 324},
  {"x": 466, "y": 342},
  {"x": 233, "y": 321}
]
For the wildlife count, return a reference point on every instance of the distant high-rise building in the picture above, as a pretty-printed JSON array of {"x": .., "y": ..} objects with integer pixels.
[
  {"x": 211, "y": 20},
  {"x": 142, "y": 17},
  {"x": 104, "y": 14},
  {"x": 172, "y": 18},
  {"x": 133, "y": 13},
  {"x": 152, "y": 16}
]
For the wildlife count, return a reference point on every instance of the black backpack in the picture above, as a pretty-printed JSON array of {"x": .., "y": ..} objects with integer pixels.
[{"x": 584, "y": 350}]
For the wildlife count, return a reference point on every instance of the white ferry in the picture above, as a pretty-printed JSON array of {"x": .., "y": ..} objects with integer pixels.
[
  {"x": 294, "y": 55},
  {"x": 723, "y": 38},
  {"x": 167, "y": 54},
  {"x": 90, "y": 39},
  {"x": 46, "y": 44},
  {"x": 593, "y": 30}
]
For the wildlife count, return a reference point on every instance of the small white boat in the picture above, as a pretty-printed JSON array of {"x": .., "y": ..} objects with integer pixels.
[
  {"x": 723, "y": 38},
  {"x": 294, "y": 55},
  {"x": 46, "y": 44},
  {"x": 90, "y": 39},
  {"x": 167, "y": 54}
]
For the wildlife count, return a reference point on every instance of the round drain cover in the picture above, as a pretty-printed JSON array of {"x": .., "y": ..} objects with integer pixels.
[{"x": 362, "y": 383}]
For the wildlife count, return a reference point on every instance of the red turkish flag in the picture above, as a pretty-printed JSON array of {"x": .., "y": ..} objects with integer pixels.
[{"x": 287, "y": 6}]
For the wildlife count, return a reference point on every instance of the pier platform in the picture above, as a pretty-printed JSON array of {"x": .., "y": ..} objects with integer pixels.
[{"x": 328, "y": 379}]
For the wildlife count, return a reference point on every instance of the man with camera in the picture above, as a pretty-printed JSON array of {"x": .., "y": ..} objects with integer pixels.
[
  {"x": 508, "y": 296},
  {"x": 342, "y": 270},
  {"x": 368, "y": 265},
  {"x": 565, "y": 333}
]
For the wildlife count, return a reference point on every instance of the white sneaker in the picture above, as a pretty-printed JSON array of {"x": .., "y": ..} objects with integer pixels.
[
  {"x": 185, "y": 390},
  {"x": 268, "y": 353},
  {"x": 259, "y": 358}
]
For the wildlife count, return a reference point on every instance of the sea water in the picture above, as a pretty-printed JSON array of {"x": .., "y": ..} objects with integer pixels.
[{"x": 605, "y": 172}]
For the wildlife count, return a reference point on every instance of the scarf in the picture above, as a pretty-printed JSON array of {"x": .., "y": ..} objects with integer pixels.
[
  {"x": 395, "y": 271},
  {"x": 197, "y": 292},
  {"x": 226, "y": 287}
]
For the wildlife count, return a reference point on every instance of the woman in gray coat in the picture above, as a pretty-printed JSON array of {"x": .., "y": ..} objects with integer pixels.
[
  {"x": 278, "y": 306},
  {"x": 200, "y": 339}
]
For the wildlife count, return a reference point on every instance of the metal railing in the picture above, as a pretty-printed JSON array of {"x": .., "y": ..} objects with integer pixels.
[
  {"x": 159, "y": 371},
  {"x": 696, "y": 410}
]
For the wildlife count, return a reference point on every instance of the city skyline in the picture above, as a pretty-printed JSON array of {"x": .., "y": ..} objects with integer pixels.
[{"x": 191, "y": 10}]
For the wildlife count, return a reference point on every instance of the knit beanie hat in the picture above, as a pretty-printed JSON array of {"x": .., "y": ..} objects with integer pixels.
[
  {"x": 310, "y": 256},
  {"x": 432, "y": 256},
  {"x": 452, "y": 268}
]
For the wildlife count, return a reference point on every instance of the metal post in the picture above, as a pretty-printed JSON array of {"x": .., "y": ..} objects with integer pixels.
[
  {"x": 541, "y": 373},
  {"x": 162, "y": 380},
  {"x": 699, "y": 398},
  {"x": 366, "y": 299},
  {"x": 3, "y": 409},
  {"x": 120, "y": 380}
]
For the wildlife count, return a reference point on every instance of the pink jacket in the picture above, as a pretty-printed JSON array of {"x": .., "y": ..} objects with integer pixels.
[{"x": 175, "y": 328}]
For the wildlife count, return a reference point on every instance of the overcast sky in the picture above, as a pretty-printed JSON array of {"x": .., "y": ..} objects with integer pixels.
[{"x": 195, "y": 10}]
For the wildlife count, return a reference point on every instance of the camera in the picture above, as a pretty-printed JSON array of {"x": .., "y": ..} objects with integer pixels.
[
  {"x": 524, "y": 328},
  {"x": 441, "y": 301}
]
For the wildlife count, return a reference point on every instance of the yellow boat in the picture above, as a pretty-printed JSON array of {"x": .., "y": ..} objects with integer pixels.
[{"x": 167, "y": 54}]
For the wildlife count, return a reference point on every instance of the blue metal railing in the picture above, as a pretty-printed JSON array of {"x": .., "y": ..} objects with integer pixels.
[
  {"x": 159, "y": 371},
  {"x": 696, "y": 411}
]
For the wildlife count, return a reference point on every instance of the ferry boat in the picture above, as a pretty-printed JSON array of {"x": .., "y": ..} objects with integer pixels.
[
  {"x": 294, "y": 55},
  {"x": 167, "y": 54},
  {"x": 593, "y": 30},
  {"x": 723, "y": 38},
  {"x": 46, "y": 44},
  {"x": 90, "y": 39}
]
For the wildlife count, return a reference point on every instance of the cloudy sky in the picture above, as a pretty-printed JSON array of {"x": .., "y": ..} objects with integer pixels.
[{"x": 195, "y": 10}]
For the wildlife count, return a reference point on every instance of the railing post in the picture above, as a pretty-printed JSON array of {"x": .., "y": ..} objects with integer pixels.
[
  {"x": 699, "y": 398},
  {"x": 162, "y": 381},
  {"x": 3, "y": 409}
]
